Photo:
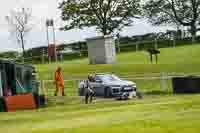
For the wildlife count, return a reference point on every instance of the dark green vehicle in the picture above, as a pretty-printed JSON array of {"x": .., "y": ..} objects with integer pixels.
[{"x": 16, "y": 79}]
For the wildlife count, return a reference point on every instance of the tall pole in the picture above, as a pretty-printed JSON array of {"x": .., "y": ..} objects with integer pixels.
[
  {"x": 54, "y": 40},
  {"x": 118, "y": 43},
  {"x": 47, "y": 32}
]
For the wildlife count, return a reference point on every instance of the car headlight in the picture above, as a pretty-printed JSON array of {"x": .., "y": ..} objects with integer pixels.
[{"x": 134, "y": 86}]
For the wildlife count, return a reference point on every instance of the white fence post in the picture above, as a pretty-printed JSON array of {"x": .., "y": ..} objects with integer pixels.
[
  {"x": 137, "y": 46},
  {"x": 43, "y": 88},
  {"x": 155, "y": 43},
  {"x": 162, "y": 81}
]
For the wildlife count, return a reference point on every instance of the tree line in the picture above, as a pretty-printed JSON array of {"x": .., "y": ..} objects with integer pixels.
[
  {"x": 111, "y": 16},
  {"x": 127, "y": 43}
]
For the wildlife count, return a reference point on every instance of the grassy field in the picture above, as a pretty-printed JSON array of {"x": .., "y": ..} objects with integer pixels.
[
  {"x": 180, "y": 60},
  {"x": 172, "y": 60},
  {"x": 154, "y": 114}
]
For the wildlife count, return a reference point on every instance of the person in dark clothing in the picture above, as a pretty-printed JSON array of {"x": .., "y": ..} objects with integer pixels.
[{"x": 89, "y": 93}]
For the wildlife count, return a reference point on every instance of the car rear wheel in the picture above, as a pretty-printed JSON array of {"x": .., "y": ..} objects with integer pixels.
[{"x": 107, "y": 92}]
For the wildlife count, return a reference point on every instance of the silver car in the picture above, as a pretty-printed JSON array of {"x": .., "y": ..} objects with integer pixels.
[{"x": 109, "y": 85}]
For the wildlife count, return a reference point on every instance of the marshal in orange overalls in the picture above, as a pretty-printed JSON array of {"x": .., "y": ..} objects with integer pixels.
[{"x": 59, "y": 82}]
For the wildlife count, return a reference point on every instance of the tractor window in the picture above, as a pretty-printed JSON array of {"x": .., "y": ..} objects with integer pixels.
[
  {"x": 27, "y": 79},
  {"x": 19, "y": 81},
  {"x": 19, "y": 75}
]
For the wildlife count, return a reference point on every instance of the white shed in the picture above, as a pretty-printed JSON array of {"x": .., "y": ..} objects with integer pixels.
[{"x": 101, "y": 50}]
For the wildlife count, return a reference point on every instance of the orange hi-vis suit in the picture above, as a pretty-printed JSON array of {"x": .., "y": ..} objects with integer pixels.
[{"x": 58, "y": 80}]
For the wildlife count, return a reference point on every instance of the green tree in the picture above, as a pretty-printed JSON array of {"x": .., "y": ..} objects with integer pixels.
[
  {"x": 20, "y": 25},
  {"x": 9, "y": 54},
  {"x": 179, "y": 12},
  {"x": 106, "y": 15}
]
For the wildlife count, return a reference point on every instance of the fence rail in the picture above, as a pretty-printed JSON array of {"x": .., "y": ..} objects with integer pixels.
[{"x": 123, "y": 46}]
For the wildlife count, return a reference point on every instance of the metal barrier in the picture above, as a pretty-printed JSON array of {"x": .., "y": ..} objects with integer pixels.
[
  {"x": 47, "y": 87},
  {"x": 155, "y": 85}
]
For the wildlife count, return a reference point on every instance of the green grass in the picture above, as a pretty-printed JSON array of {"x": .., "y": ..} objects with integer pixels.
[
  {"x": 172, "y": 60},
  {"x": 167, "y": 114},
  {"x": 180, "y": 60},
  {"x": 158, "y": 113}
]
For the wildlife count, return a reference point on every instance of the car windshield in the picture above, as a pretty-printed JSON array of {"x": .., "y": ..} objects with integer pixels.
[{"x": 109, "y": 77}]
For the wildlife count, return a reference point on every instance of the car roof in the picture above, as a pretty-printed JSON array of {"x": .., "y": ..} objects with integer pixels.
[{"x": 102, "y": 74}]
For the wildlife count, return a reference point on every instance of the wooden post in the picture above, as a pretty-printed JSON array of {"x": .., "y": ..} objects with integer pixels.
[
  {"x": 49, "y": 59},
  {"x": 174, "y": 40},
  {"x": 61, "y": 57},
  {"x": 162, "y": 81},
  {"x": 43, "y": 54},
  {"x": 31, "y": 56},
  {"x": 137, "y": 46},
  {"x": 43, "y": 89},
  {"x": 118, "y": 45},
  {"x": 155, "y": 43},
  {"x": 174, "y": 43}
]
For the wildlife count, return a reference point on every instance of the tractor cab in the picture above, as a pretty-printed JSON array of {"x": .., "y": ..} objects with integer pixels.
[
  {"x": 16, "y": 82},
  {"x": 17, "y": 79}
]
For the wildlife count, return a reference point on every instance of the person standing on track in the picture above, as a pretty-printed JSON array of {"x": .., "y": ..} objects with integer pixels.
[{"x": 59, "y": 82}]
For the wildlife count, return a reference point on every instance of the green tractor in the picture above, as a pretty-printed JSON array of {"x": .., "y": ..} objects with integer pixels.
[{"x": 17, "y": 79}]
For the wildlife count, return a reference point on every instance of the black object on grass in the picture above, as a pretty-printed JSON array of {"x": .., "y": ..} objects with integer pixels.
[{"x": 154, "y": 52}]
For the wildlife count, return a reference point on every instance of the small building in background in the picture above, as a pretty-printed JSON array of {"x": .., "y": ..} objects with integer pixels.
[{"x": 101, "y": 50}]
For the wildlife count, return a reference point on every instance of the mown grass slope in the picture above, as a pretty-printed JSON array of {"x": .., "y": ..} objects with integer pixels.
[
  {"x": 167, "y": 114},
  {"x": 177, "y": 60},
  {"x": 180, "y": 60}
]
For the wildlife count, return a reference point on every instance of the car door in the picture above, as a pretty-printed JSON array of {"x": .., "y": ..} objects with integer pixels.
[{"x": 97, "y": 85}]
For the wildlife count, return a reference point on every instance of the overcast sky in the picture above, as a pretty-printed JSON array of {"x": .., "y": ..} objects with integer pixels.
[{"x": 43, "y": 9}]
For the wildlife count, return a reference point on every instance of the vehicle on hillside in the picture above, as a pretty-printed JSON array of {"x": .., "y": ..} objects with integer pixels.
[{"x": 110, "y": 85}]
